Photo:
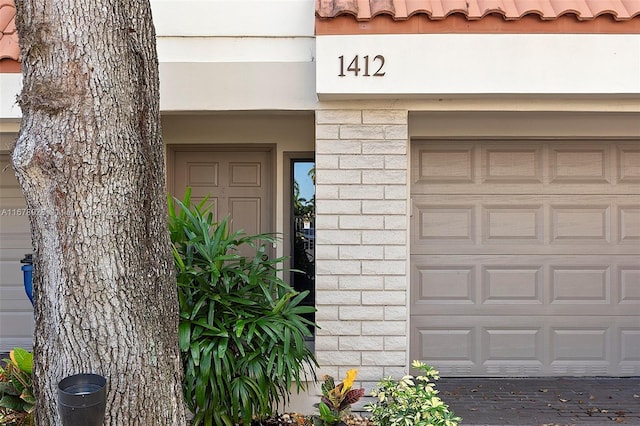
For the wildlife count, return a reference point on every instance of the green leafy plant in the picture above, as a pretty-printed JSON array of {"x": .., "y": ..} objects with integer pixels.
[
  {"x": 336, "y": 401},
  {"x": 411, "y": 401},
  {"x": 241, "y": 328},
  {"x": 16, "y": 389}
]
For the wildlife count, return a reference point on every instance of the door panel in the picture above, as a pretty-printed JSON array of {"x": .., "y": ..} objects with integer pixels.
[{"x": 236, "y": 182}]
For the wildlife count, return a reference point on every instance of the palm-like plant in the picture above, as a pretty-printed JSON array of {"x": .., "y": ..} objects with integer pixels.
[{"x": 241, "y": 326}]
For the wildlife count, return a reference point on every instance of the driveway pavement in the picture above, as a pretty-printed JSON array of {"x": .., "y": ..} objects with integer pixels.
[{"x": 543, "y": 401}]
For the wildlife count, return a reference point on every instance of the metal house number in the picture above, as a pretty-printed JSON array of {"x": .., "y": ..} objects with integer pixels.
[{"x": 367, "y": 64}]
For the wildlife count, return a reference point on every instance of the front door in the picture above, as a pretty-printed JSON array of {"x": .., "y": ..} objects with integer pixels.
[{"x": 237, "y": 182}]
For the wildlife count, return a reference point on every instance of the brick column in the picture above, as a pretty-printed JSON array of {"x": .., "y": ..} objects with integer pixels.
[{"x": 361, "y": 242}]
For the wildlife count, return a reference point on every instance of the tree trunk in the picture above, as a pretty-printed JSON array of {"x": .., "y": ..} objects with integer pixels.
[{"x": 89, "y": 158}]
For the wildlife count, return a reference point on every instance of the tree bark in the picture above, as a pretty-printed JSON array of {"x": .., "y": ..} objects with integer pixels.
[{"x": 89, "y": 157}]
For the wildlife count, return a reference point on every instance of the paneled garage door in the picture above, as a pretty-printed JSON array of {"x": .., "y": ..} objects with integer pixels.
[
  {"x": 16, "y": 312},
  {"x": 525, "y": 257}
]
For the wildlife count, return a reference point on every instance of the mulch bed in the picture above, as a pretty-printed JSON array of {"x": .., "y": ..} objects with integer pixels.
[{"x": 302, "y": 420}]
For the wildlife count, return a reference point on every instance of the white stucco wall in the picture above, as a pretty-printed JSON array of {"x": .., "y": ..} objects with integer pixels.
[
  {"x": 10, "y": 86},
  {"x": 236, "y": 55},
  {"x": 218, "y": 55},
  {"x": 410, "y": 65},
  {"x": 225, "y": 55},
  {"x": 245, "y": 18}
]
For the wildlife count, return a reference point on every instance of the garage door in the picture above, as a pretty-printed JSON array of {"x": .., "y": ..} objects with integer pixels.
[
  {"x": 16, "y": 313},
  {"x": 525, "y": 257}
]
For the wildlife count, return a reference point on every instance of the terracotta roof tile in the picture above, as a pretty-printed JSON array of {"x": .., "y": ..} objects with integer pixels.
[
  {"x": 364, "y": 10},
  {"x": 9, "y": 48}
]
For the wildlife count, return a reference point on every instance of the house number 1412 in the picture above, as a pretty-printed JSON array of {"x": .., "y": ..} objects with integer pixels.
[{"x": 377, "y": 64}]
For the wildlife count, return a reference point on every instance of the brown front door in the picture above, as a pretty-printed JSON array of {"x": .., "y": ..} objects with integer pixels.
[{"x": 237, "y": 181}]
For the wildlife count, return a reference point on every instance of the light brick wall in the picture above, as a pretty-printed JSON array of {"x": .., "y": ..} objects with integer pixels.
[{"x": 361, "y": 242}]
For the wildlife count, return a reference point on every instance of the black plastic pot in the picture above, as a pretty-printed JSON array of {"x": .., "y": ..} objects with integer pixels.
[{"x": 82, "y": 400}]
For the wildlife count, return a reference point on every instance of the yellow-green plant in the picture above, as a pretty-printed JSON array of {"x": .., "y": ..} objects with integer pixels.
[
  {"x": 411, "y": 401},
  {"x": 16, "y": 389},
  {"x": 336, "y": 401}
]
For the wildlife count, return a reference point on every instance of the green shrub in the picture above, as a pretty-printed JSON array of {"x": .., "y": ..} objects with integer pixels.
[
  {"x": 411, "y": 401},
  {"x": 241, "y": 327},
  {"x": 16, "y": 389}
]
